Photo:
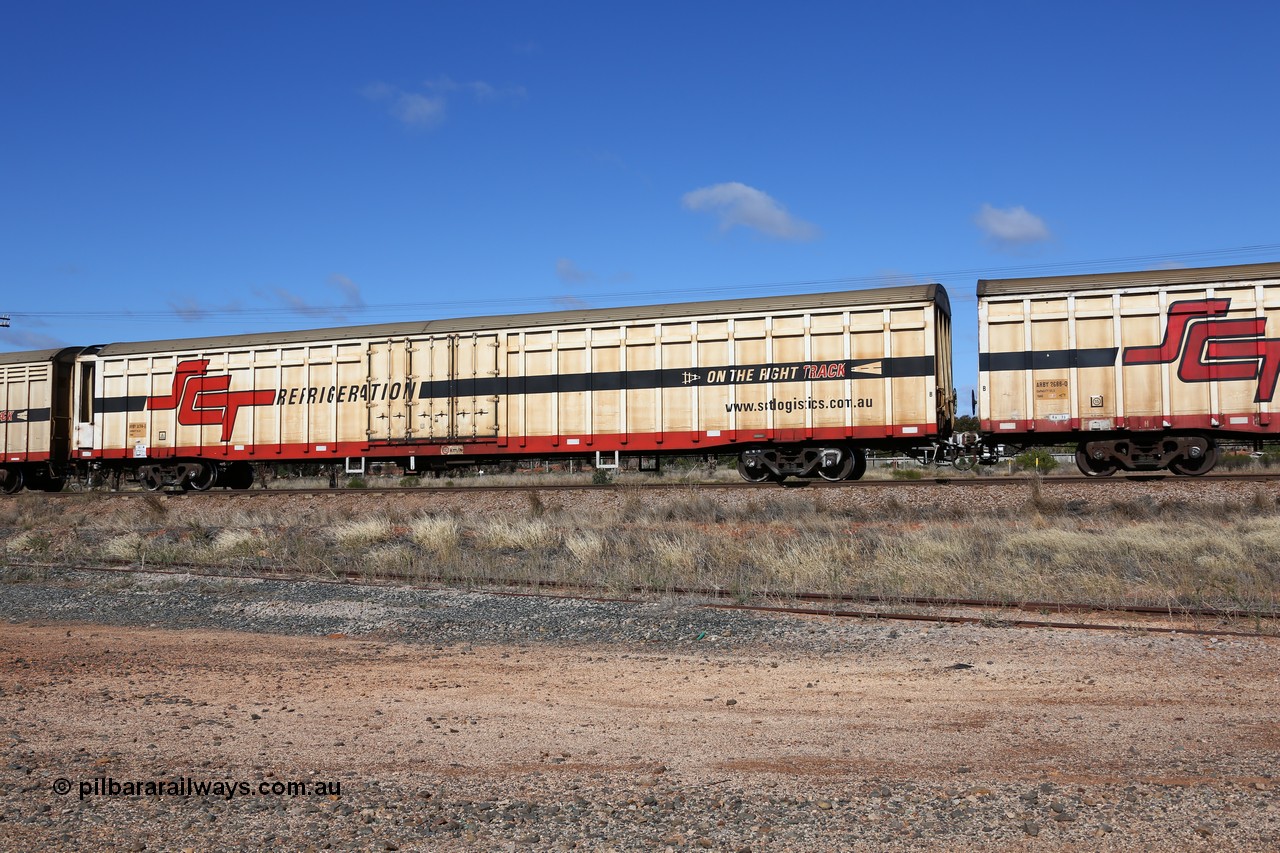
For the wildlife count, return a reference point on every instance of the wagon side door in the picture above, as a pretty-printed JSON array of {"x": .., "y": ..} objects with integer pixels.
[
  {"x": 473, "y": 395},
  {"x": 392, "y": 390}
]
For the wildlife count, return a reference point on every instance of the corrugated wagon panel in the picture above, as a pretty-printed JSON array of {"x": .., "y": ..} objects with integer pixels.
[
  {"x": 711, "y": 401},
  {"x": 643, "y": 404},
  {"x": 26, "y": 402},
  {"x": 351, "y": 415},
  {"x": 607, "y": 402},
  {"x": 321, "y": 374},
  {"x": 676, "y": 354},
  {"x": 266, "y": 436},
  {"x": 571, "y": 405},
  {"x": 825, "y": 347},
  {"x": 1094, "y": 392}
]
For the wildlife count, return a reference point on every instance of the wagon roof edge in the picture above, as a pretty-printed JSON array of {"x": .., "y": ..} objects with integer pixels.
[
  {"x": 1136, "y": 278},
  {"x": 927, "y": 293},
  {"x": 39, "y": 355}
]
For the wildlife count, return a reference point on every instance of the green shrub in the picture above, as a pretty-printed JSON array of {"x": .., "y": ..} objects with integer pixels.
[
  {"x": 357, "y": 483},
  {"x": 1037, "y": 460},
  {"x": 907, "y": 473}
]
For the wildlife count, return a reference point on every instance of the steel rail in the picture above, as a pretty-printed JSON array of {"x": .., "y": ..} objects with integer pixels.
[{"x": 983, "y": 620}]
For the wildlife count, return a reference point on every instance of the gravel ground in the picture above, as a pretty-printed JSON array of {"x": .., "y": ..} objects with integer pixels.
[
  {"x": 460, "y": 720},
  {"x": 440, "y": 616}
]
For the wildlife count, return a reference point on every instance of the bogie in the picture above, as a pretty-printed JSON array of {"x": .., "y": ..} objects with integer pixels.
[
  {"x": 834, "y": 463},
  {"x": 1188, "y": 455}
]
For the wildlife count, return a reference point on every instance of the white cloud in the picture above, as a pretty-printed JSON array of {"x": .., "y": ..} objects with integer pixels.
[
  {"x": 378, "y": 91},
  {"x": 410, "y": 108},
  {"x": 191, "y": 309},
  {"x": 351, "y": 295},
  {"x": 479, "y": 89},
  {"x": 1013, "y": 226},
  {"x": 419, "y": 110},
  {"x": 429, "y": 107},
  {"x": 299, "y": 303},
  {"x": 571, "y": 273},
  {"x": 738, "y": 204},
  {"x": 352, "y": 300},
  {"x": 21, "y": 339}
]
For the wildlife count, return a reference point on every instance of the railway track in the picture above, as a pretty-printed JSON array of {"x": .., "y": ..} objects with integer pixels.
[
  {"x": 1171, "y": 619},
  {"x": 952, "y": 482}
]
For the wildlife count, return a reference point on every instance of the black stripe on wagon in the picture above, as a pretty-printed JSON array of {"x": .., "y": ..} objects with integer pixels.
[
  {"x": 680, "y": 377},
  {"x": 1053, "y": 359},
  {"x": 111, "y": 405},
  {"x": 618, "y": 380},
  {"x": 25, "y": 416}
]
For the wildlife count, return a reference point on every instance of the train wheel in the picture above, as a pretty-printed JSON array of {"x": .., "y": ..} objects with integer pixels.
[
  {"x": 203, "y": 477},
  {"x": 859, "y": 464},
  {"x": 840, "y": 468},
  {"x": 755, "y": 473},
  {"x": 1091, "y": 467},
  {"x": 239, "y": 476},
  {"x": 1195, "y": 467},
  {"x": 11, "y": 480},
  {"x": 149, "y": 481}
]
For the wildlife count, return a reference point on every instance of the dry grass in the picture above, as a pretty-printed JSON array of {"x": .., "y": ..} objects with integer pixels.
[
  {"x": 440, "y": 536},
  {"x": 362, "y": 532},
  {"x": 28, "y": 542},
  {"x": 587, "y": 550},
  {"x": 532, "y": 535},
  {"x": 1111, "y": 551},
  {"x": 130, "y": 547},
  {"x": 236, "y": 542}
]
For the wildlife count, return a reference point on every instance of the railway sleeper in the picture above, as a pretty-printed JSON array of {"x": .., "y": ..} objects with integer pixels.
[{"x": 1189, "y": 455}]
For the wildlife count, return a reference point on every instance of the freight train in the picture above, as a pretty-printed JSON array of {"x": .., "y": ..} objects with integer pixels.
[{"x": 1140, "y": 371}]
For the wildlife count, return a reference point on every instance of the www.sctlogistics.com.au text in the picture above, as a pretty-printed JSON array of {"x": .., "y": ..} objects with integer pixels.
[{"x": 185, "y": 786}]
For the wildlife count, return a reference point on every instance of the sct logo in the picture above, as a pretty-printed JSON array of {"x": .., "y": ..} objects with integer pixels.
[
  {"x": 1207, "y": 346},
  {"x": 202, "y": 399}
]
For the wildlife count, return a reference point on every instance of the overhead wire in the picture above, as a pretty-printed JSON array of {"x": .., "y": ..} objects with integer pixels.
[{"x": 343, "y": 312}]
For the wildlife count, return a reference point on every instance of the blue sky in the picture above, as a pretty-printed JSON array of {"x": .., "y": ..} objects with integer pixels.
[{"x": 175, "y": 170}]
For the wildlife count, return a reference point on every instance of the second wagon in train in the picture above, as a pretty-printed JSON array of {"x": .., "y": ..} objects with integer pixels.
[{"x": 1141, "y": 371}]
